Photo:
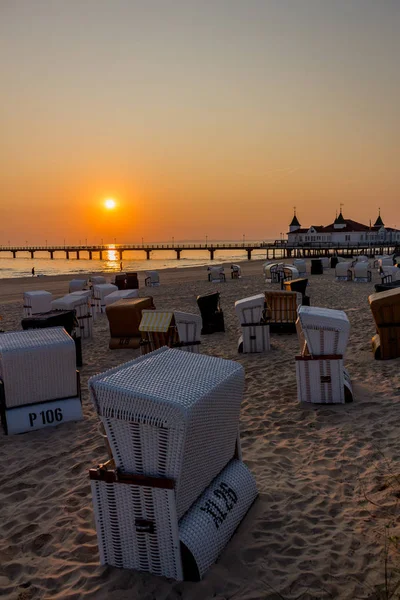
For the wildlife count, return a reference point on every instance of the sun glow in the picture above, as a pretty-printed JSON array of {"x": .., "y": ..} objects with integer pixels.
[{"x": 110, "y": 203}]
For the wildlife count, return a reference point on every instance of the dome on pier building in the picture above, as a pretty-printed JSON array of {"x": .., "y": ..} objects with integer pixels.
[{"x": 295, "y": 224}]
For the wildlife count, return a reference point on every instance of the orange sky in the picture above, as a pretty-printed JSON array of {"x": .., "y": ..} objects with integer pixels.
[{"x": 199, "y": 118}]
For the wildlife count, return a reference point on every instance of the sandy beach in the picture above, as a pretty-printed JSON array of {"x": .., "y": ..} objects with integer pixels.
[{"x": 324, "y": 473}]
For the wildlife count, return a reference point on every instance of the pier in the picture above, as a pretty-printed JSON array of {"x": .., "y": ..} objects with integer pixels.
[{"x": 273, "y": 250}]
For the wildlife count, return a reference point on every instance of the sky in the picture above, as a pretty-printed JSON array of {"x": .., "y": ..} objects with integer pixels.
[{"x": 206, "y": 117}]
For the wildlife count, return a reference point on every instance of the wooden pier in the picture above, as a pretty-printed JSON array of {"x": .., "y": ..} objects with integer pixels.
[{"x": 273, "y": 250}]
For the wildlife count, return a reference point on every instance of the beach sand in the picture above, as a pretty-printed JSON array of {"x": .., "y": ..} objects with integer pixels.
[{"x": 317, "y": 529}]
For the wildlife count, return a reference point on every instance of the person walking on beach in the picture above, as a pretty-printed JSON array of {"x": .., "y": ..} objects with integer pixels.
[{"x": 33, "y": 271}]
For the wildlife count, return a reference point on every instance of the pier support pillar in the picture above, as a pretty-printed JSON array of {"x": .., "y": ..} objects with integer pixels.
[
  {"x": 67, "y": 254},
  {"x": 51, "y": 254},
  {"x": 211, "y": 251},
  {"x": 14, "y": 254},
  {"x": 32, "y": 254},
  {"x": 289, "y": 253},
  {"x": 120, "y": 254},
  {"x": 101, "y": 254},
  {"x": 148, "y": 254},
  {"x": 249, "y": 251},
  {"x": 90, "y": 255},
  {"x": 178, "y": 254},
  {"x": 78, "y": 255}
]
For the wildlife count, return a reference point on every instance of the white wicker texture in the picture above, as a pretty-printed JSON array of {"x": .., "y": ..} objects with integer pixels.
[
  {"x": 210, "y": 523},
  {"x": 362, "y": 273},
  {"x": 81, "y": 304},
  {"x": 37, "y": 365},
  {"x": 255, "y": 338},
  {"x": 320, "y": 381},
  {"x": 326, "y": 331},
  {"x": 300, "y": 265},
  {"x": 166, "y": 414},
  {"x": 120, "y": 295},
  {"x": 152, "y": 278},
  {"x": 76, "y": 285},
  {"x": 342, "y": 271},
  {"x": 37, "y": 302},
  {"x": 98, "y": 279},
  {"x": 250, "y": 310},
  {"x": 189, "y": 330},
  {"x": 100, "y": 291},
  {"x": 117, "y": 508}
]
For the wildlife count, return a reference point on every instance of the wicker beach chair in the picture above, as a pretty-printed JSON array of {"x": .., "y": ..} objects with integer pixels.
[
  {"x": 120, "y": 281},
  {"x": 326, "y": 262},
  {"x": 176, "y": 488},
  {"x": 299, "y": 286},
  {"x": 321, "y": 377},
  {"x": 211, "y": 313},
  {"x": 362, "y": 272},
  {"x": 152, "y": 279},
  {"x": 124, "y": 319},
  {"x": 158, "y": 329},
  {"x": 120, "y": 295},
  {"x": 236, "y": 272},
  {"x": 389, "y": 274},
  {"x": 269, "y": 268},
  {"x": 189, "y": 329},
  {"x": 385, "y": 308},
  {"x": 100, "y": 292},
  {"x": 281, "y": 311},
  {"x": 316, "y": 266},
  {"x": 132, "y": 282},
  {"x": 76, "y": 285},
  {"x": 37, "y": 302},
  {"x": 255, "y": 330},
  {"x": 300, "y": 265},
  {"x": 343, "y": 271},
  {"x": 39, "y": 384},
  {"x": 80, "y": 303},
  {"x": 216, "y": 274},
  {"x": 98, "y": 280}
]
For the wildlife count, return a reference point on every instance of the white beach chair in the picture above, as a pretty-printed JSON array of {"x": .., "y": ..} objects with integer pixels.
[
  {"x": 255, "y": 331},
  {"x": 37, "y": 302},
  {"x": 152, "y": 278},
  {"x": 362, "y": 258},
  {"x": 289, "y": 272},
  {"x": 267, "y": 267},
  {"x": 216, "y": 274},
  {"x": 120, "y": 295},
  {"x": 343, "y": 272},
  {"x": 39, "y": 385},
  {"x": 385, "y": 261},
  {"x": 77, "y": 285},
  {"x": 326, "y": 262},
  {"x": 300, "y": 265},
  {"x": 82, "y": 306},
  {"x": 100, "y": 292},
  {"x": 323, "y": 335},
  {"x": 236, "y": 272},
  {"x": 389, "y": 274},
  {"x": 177, "y": 488},
  {"x": 361, "y": 272},
  {"x": 189, "y": 330},
  {"x": 98, "y": 280}
]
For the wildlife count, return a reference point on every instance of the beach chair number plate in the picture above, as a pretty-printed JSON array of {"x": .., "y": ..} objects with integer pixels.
[
  {"x": 45, "y": 414},
  {"x": 326, "y": 379}
]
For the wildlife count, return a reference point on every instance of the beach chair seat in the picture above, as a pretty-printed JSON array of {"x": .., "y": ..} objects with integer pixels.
[
  {"x": 216, "y": 274},
  {"x": 316, "y": 266},
  {"x": 124, "y": 319},
  {"x": 132, "y": 281},
  {"x": 37, "y": 302},
  {"x": 58, "y": 318},
  {"x": 39, "y": 384},
  {"x": 384, "y": 287},
  {"x": 158, "y": 329},
  {"x": 281, "y": 311},
  {"x": 236, "y": 272},
  {"x": 120, "y": 295},
  {"x": 189, "y": 330},
  {"x": 362, "y": 272},
  {"x": 152, "y": 279},
  {"x": 80, "y": 303},
  {"x": 100, "y": 292},
  {"x": 211, "y": 313},
  {"x": 120, "y": 281},
  {"x": 321, "y": 377},
  {"x": 385, "y": 308},
  {"x": 98, "y": 279},
  {"x": 299, "y": 286},
  {"x": 76, "y": 285},
  {"x": 255, "y": 330},
  {"x": 343, "y": 271},
  {"x": 176, "y": 488},
  {"x": 300, "y": 265}
]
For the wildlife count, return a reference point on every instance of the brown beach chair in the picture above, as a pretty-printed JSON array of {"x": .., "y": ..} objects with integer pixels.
[
  {"x": 281, "y": 311},
  {"x": 385, "y": 308},
  {"x": 124, "y": 319}
]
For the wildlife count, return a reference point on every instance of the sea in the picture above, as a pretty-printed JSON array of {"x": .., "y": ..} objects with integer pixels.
[{"x": 21, "y": 266}]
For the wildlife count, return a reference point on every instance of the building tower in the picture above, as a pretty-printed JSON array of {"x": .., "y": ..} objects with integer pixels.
[
  {"x": 294, "y": 225},
  {"x": 379, "y": 222}
]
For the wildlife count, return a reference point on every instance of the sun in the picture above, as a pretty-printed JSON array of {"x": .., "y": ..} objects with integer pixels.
[{"x": 110, "y": 203}]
